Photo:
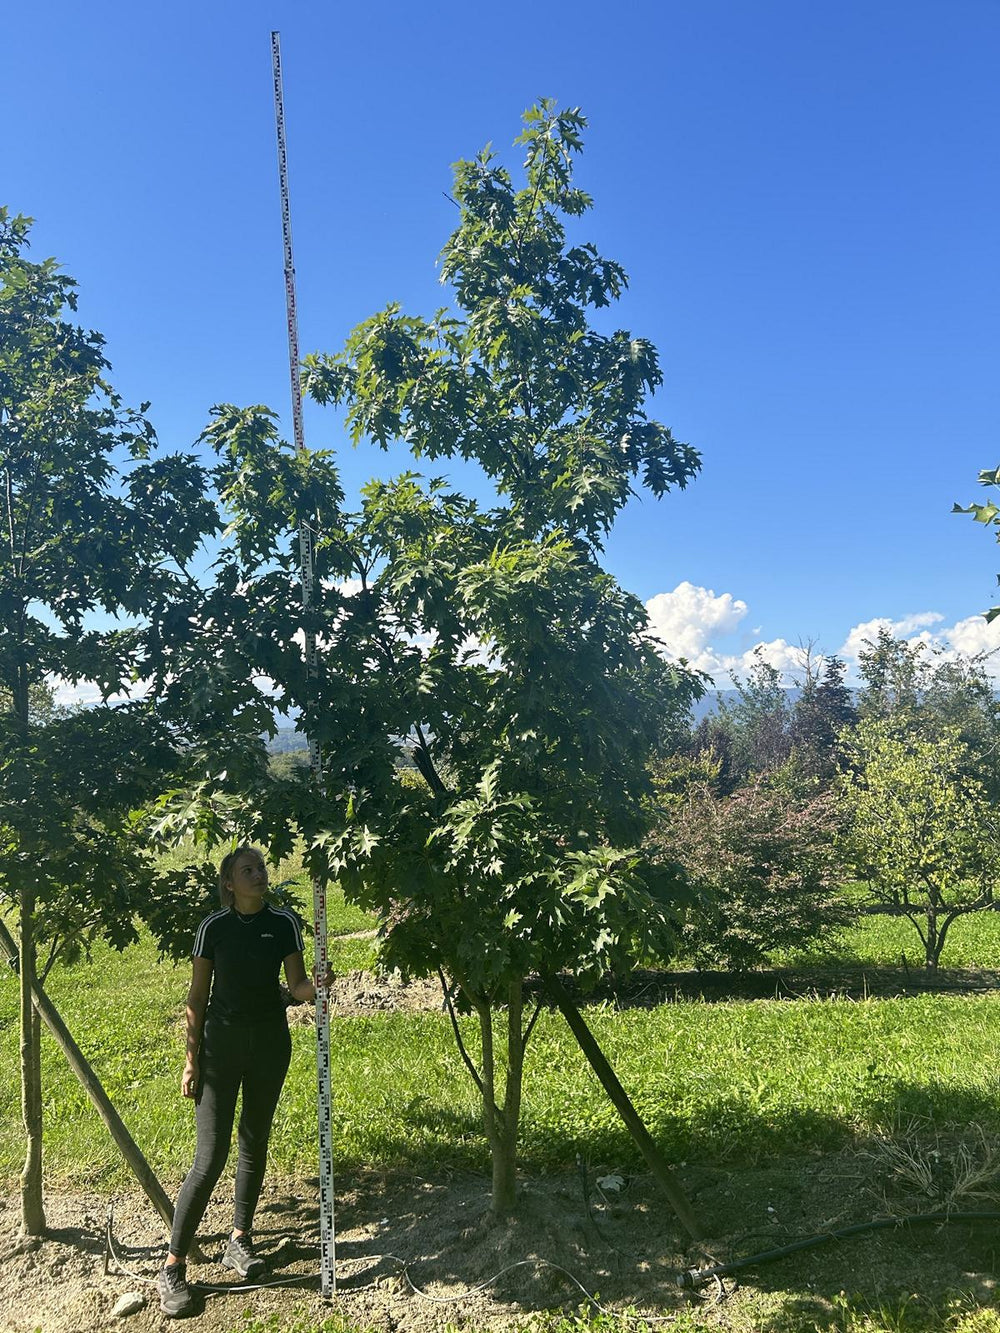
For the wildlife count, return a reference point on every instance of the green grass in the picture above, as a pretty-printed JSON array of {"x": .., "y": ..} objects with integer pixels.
[
  {"x": 848, "y": 1314},
  {"x": 882, "y": 941},
  {"x": 737, "y": 1082}
]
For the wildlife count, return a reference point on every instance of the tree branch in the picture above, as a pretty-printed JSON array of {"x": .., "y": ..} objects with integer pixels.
[
  {"x": 422, "y": 758},
  {"x": 12, "y": 541},
  {"x": 422, "y": 754},
  {"x": 458, "y": 1035},
  {"x": 531, "y": 1023}
]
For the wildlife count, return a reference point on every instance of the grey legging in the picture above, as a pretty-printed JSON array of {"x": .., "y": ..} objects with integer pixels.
[{"x": 254, "y": 1056}]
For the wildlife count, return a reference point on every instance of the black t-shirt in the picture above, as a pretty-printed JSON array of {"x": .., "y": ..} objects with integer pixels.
[{"x": 246, "y": 953}]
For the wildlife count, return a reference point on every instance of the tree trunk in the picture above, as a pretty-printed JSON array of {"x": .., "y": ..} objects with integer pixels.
[
  {"x": 505, "y": 1150},
  {"x": 154, "y": 1191},
  {"x": 493, "y": 1117},
  {"x": 504, "y": 1194},
  {"x": 501, "y": 1123},
  {"x": 933, "y": 947},
  {"x": 32, "y": 1209}
]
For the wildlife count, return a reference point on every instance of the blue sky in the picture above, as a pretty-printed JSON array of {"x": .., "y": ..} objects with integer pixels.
[{"x": 804, "y": 196}]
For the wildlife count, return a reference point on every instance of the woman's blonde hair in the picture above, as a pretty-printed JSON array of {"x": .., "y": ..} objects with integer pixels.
[{"x": 226, "y": 895}]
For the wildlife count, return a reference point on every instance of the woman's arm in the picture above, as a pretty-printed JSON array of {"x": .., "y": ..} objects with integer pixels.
[
  {"x": 299, "y": 985},
  {"x": 197, "y": 1001}
]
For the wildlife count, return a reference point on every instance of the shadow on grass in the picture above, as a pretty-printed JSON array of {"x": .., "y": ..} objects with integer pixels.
[
  {"x": 645, "y": 988},
  {"x": 625, "y": 1246}
]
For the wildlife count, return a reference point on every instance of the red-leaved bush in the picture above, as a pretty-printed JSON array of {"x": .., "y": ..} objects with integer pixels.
[{"x": 763, "y": 869}]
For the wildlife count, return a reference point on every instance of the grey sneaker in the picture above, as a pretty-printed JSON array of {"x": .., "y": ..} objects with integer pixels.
[
  {"x": 240, "y": 1257},
  {"x": 175, "y": 1294}
]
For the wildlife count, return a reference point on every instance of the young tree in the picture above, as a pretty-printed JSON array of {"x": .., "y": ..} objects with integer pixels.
[
  {"x": 522, "y": 679},
  {"x": 921, "y": 829},
  {"x": 91, "y": 521},
  {"x": 824, "y": 708},
  {"x": 896, "y": 674},
  {"x": 752, "y": 735},
  {"x": 919, "y": 687}
]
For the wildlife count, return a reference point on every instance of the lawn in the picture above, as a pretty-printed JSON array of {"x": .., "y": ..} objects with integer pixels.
[
  {"x": 740, "y": 1082},
  {"x": 886, "y": 941}
]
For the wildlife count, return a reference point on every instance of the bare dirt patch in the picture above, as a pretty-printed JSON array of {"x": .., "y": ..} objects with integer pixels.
[
  {"x": 622, "y": 1246},
  {"x": 358, "y": 992}
]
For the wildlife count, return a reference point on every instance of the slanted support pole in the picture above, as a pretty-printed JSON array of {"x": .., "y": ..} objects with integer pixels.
[
  {"x": 143, "y": 1172},
  {"x": 623, "y": 1105}
]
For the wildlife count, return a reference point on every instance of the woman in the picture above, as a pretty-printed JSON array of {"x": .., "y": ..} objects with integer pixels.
[{"x": 237, "y": 1036}]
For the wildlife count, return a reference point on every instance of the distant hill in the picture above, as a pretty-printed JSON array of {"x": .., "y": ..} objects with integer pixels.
[
  {"x": 285, "y": 740},
  {"x": 709, "y": 703}
]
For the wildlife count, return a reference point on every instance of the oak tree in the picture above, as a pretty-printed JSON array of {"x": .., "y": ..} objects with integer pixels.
[
  {"x": 482, "y": 639},
  {"x": 96, "y": 528}
]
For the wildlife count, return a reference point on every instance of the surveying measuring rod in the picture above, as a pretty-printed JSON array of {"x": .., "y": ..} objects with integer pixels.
[{"x": 327, "y": 1238}]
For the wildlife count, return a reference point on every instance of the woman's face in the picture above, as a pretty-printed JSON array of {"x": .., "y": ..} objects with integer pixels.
[{"x": 248, "y": 875}]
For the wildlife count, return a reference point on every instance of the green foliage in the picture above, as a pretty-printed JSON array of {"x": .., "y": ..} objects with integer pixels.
[
  {"x": 521, "y": 677},
  {"x": 921, "y": 831},
  {"x": 538, "y": 693},
  {"x": 94, "y": 520},
  {"x": 763, "y": 729},
  {"x": 760, "y": 722},
  {"x": 880, "y": 941},
  {"x": 551, "y": 409},
  {"x": 42, "y": 706},
  {"x": 922, "y": 689},
  {"x": 988, "y": 514},
  {"x": 488, "y": 643},
  {"x": 289, "y": 764},
  {"x": 824, "y": 709},
  {"x": 763, "y": 866}
]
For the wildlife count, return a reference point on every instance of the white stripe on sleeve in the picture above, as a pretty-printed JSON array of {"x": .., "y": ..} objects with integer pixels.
[
  {"x": 199, "y": 939},
  {"x": 296, "y": 926}
]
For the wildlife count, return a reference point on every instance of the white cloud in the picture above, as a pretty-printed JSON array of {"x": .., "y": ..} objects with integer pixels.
[
  {"x": 967, "y": 637},
  {"x": 868, "y": 630},
  {"x": 975, "y": 635},
  {"x": 68, "y": 695},
  {"x": 691, "y": 621},
  {"x": 85, "y": 693},
  {"x": 687, "y": 618},
  {"x": 788, "y": 658}
]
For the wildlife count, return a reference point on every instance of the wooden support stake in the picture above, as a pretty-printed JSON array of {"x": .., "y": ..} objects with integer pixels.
[
  {"x": 623, "y": 1105},
  {"x": 143, "y": 1172}
]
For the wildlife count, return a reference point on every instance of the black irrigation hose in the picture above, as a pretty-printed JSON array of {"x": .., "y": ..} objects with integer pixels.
[{"x": 694, "y": 1277}]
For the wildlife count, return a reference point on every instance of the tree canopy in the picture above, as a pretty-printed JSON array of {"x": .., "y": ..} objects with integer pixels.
[
  {"x": 94, "y": 520},
  {"x": 522, "y": 679}
]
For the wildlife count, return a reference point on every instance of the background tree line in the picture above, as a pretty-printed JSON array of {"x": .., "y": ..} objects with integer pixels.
[{"x": 780, "y": 802}]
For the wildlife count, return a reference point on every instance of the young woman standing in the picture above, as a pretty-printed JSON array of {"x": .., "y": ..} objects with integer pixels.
[{"x": 237, "y": 1037}]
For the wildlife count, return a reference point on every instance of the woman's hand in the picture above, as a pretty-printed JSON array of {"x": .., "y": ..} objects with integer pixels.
[
  {"x": 189, "y": 1079},
  {"x": 301, "y": 987},
  {"x": 321, "y": 982}
]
